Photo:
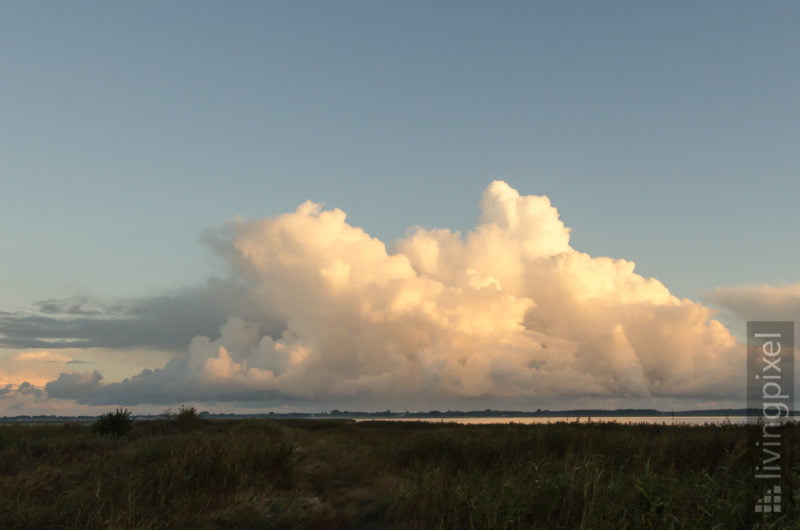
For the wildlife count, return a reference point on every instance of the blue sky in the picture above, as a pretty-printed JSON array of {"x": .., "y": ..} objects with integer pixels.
[
  {"x": 665, "y": 133},
  {"x": 662, "y": 132}
]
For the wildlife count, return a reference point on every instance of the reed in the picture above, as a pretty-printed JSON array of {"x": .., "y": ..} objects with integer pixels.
[{"x": 192, "y": 472}]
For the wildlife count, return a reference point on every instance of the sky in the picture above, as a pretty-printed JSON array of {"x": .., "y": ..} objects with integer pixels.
[{"x": 152, "y": 156}]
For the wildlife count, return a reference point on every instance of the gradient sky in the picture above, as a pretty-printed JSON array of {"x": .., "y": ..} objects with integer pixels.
[{"x": 665, "y": 133}]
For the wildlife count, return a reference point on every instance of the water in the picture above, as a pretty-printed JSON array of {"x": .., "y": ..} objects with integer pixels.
[{"x": 668, "y": 420}]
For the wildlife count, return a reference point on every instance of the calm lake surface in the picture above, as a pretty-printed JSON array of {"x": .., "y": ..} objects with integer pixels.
[{"x": 669, "y": 420}]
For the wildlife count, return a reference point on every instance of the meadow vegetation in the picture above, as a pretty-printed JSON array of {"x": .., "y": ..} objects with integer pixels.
[{"x": 188, "y": 472}]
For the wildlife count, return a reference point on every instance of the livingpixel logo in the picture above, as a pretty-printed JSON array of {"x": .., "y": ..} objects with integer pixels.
[
  {"x": 770, "y": 502},
  {"x": 770, "y": 405}
]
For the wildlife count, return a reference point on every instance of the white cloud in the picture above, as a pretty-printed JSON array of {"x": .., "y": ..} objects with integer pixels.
[{"x": 508, "y": 310}]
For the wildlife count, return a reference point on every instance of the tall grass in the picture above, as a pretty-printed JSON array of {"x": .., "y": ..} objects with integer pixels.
[{"x": 339, "y": 474}]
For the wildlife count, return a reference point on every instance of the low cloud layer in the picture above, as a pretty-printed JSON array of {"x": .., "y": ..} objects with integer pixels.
[
  {"x": 165, "y": 322},
  {"x": 507, "y": 310}
]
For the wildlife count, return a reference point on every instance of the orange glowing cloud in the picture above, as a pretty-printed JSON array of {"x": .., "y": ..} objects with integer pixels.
[{"x": 507, "y": 310}]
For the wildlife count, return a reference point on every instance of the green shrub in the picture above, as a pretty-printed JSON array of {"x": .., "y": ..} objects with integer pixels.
[
  {"x": 117, "y": 423},
  {"x": 187, "y": 414},
  {"x": 187, "y": 418}
]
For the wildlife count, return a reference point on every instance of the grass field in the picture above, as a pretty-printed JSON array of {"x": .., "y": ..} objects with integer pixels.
[{"x": 328, "y": 474}]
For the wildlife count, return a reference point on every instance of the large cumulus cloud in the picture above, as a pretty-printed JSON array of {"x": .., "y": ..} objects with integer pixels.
[{"x": 507, "y": 310}]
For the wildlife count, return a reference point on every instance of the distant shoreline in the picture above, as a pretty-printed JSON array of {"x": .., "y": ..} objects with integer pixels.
[{"x": 388, "y": 414}]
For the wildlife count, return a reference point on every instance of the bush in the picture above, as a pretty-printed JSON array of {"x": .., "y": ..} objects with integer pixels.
[
  {"x": 187, "y": 414},
  {"x": 117, "y": 423},
  {"x": 187, "y": 418}
]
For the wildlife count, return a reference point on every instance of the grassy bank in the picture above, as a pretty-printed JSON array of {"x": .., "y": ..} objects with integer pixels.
[{"x": 329, "y": 474}]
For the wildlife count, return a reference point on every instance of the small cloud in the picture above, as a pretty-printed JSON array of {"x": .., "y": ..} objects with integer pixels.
[
  {"x": 23, "y": 390},
  {"x": 759, "y": 302},
  {"x": 28, "y": 389},
  {"x": 67, "y": 306},
  {"x": 73, "y": 385}
]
